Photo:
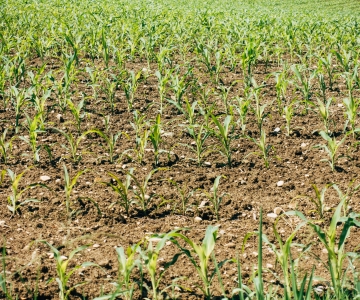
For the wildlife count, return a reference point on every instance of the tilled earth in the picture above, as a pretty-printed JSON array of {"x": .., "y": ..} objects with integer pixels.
[{"x": 247, "y": 186}]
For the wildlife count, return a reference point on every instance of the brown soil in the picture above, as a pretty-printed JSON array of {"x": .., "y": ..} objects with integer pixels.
[{"x": 248, "y": 185}]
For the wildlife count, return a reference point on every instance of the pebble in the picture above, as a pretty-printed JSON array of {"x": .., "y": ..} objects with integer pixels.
[
  {"x": 96, "y": 246},
  {"x": 50, "y": 255},
  {"x": 207, "y": 163},
  {"x": 277, "y": 129},
  {"x": 202, "y": 204},
  {"x": 197, "y": 219},
  {"x": 155, "y": 239},
  {"x": 272, "y": 215},
  {"x": 277, "y": 210},
  {"x": 60, "y": 118},
  {"x": 280, "y": 183},
  {"x": 303, "y": 145},
  {"x": 45, "y": 178},
  {"x": 230, "y": 245},
  {"x": 58, "y": 181}
]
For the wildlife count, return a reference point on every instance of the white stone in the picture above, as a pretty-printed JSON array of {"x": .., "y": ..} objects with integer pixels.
[
  {"x": 207, "y": 163},
  {"x": 96, "y": 246},
  {"x": 197, "y": 219},
  {"x": 272, "y": 215},
  {"x": 277, "y": 129},
  {"x": 280, "y": 183},
  {"x": 303, "y": 145},
  {"x": 45, "y": 178}
]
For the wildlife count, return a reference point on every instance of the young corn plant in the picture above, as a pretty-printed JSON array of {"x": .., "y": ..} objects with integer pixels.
[
  {"x": 14, "y": 200},
  {"x": 281, "y": 87},
  {"x": 162, "y": 87},
  {"x": 258, "y": 109},
  {"x": 73, "y": 144},
  {"x": 185, "y": 195},
  {"x": 155, "y": 139},
  {"x": 121, "y": 189},
  {"x": 68, "y": 187},
  {"x": 63, "y": 273},
  {"x": 199, "y": 137},
  {"x": 328, "y": 65},
  {"x": 200, "y": 255},
  {"x": 351, "y": 106},
  {"x": 248, "y": 59},
  {"x": 76, "y": 111},
  {"x": 242, "y": 108},
  {"x": 289, "y": 113},
  {"x": 334, "y": 244},
  {"x": 225, "y": 134},
  {"x": 126, "y": 264},
  {"x": 150, "y": 257},
  {"x": 304, "y": 84},
  {"x": 324, "y": 112},
  {"x": 5, "y": 146},
  {"x": 130, "y": 86},
  {"x": 141, "y": 197},
  {"x": 263, "y": 147},
  {"x": 331, "y": 148},
  {"x": 214, "y": 198},
  {"x": 31, "y": 140},
  {"x": 110, "y": 141},
  {"x": 19, "y": 99}
]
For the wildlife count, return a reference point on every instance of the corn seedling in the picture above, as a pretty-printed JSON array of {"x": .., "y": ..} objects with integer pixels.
[
  {"x": 242, "y": 108},
  {"x": 264, "y": 148},
  {"x": 150, "y": 257},
  {"x": 142, "y": 198},
  {"x": 351, "y": 106},
  {"x": 14, "y": 200},
  {"x": 185, "y": 195},
  {"x": 5, "y": 146},
  {"x": 324, "y": 112},
  {"x": 214, "y": 198},
  {"x": 288, "y": 113},
  {"x": 155, "y": 139},
  {"x": 331, "y": 149},
  {"x": 334, "y": 244},
  {"x": 31, "y": 140},
  {"x": 121, "y": 188},
  {"x": 69, "y": 184},
  {"x": 200, "y": 255},
  {"x": 110, "y": 141},
  {"x": 62, "y": 272},
  {"x": 76, "y": 111},
  {"x": 198, "y": 145},
  {"x": 19, "y": 99},
  {"x": 130, "y": 86},
  {"x": 162, "y": 86},
  {"x": 225, "y": 134}
]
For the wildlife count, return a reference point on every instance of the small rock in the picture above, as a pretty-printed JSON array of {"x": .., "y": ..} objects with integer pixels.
[
  {"x": 255, "y": 254},
  {"x": 202, "y": 204},
  {"x": 230, "y": 245},
  {"x": 277, "y": 129},
  {"x": 88, "y": 183},
  {"x": 50, "y": 255},
  {"x": 168, "y": 243},
  {"x": 324, "y": 251},
  {"x": 58, "y": 181},
  {"x": 207, "y": 164},
  {"x": 45, "y": 178},
  {"x": 60, "y": 118},
  {"x": 272, "y": 215},
  {"x": 280, "y": 183},
  {"x": 197, "y": 219},
  {"x": 303, "y": 145},
  {"x": 168, "y": 134},
  {"x": 96, "y": 246},
  {"x": 277, "y": 210},
  {"x": 269, "y": 266}
]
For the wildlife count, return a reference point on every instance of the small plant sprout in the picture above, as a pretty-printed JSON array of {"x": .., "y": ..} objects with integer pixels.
[
  {"x": 110, "y": 141},
  {"x": 73, "y": 144},
  {"x": 334, "y": 244},
  {"x": 62, "y": 272},
  {"x": 5, "y": 146},
  {"x": 242, "y": 108},
  {"x": 142, "y": 198},
  {"x": 130, "y": 86},
  {"x": 351, "y": 106},
  {"x": 288, "y": 113},
  {"x": 69, "y": 185},
  {"x": 200, "y": 255},
  {"x": 14, "y": 200},
  {"x": 121, "y": 188},
  {"x": 185, "y": 195},
  {"x": 214, "y": 198},
  {"x": 198, "y": 145},
  {"x": 224, "y": 134},
  {"x": 150, "y": 257},
  {"x": 155, "y": 138},
  {"x": 331, "y": 148},
  {"x": 324, "y": 112},
  {"x": 264, "y": 148},
  {"x": 76, "y": 111}
]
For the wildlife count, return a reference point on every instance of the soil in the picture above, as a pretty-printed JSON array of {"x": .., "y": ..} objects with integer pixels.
[{"x": 248, "y": 186}]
